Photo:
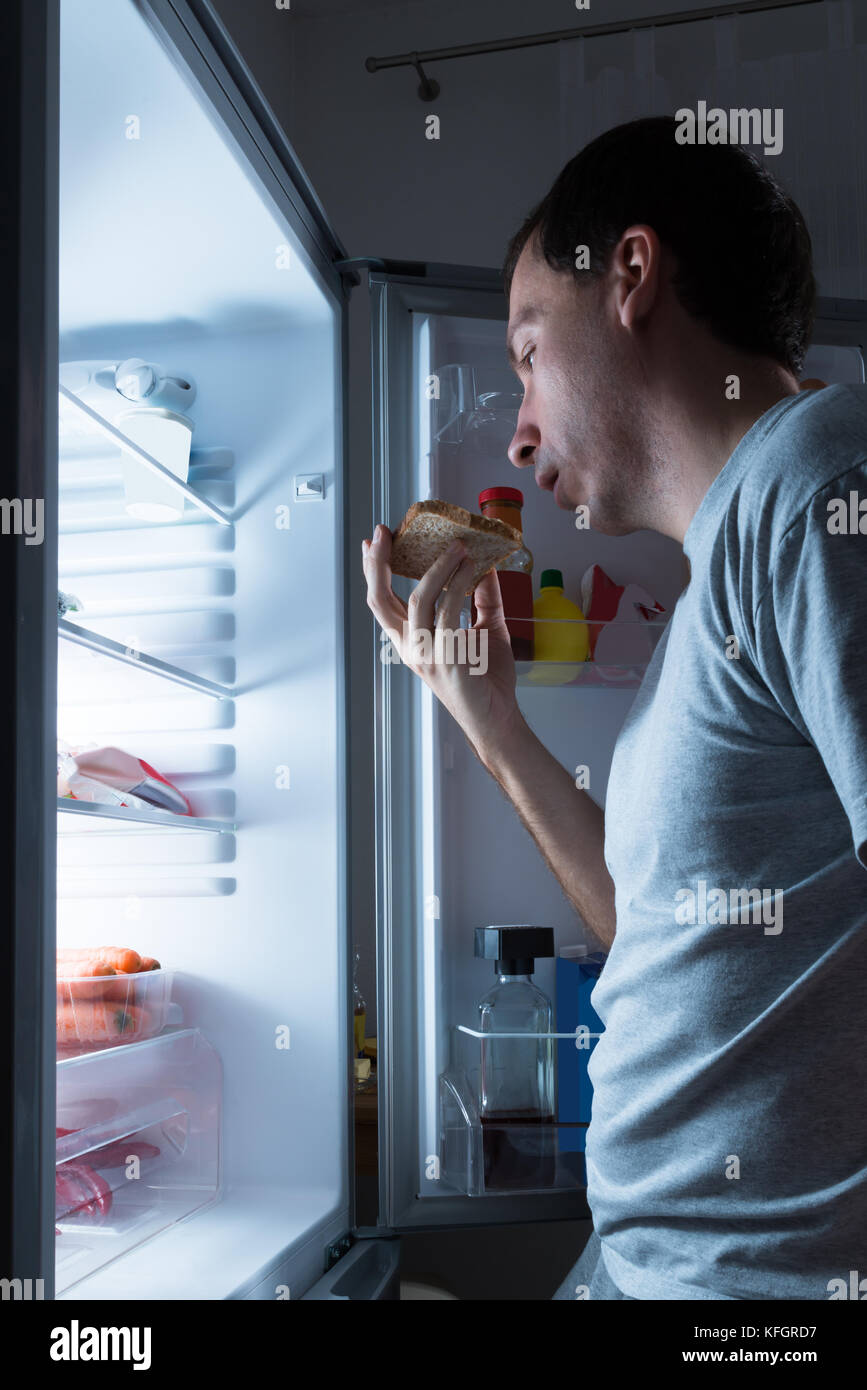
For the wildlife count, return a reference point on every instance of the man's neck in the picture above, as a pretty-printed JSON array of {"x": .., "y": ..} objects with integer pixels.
[{"x": 707, "y": 428}]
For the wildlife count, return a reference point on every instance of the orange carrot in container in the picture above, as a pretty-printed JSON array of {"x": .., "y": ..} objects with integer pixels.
[
  {"x": 99, "y": 1021},
  {"x": 83, "y": 969},
  {"x": 82, "y": 980},
  {"x": 120, "y": 958},
  {"x": 150, "y": 963}
]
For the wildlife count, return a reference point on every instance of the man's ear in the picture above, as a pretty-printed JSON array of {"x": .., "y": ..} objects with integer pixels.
[{"x": 635, "y": 264}]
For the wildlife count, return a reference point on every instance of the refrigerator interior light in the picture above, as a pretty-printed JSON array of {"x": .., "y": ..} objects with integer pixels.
[{"x": 166, "y": 435}]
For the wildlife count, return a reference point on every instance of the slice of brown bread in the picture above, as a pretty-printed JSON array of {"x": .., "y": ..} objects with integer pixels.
[{"x": 429, "y": 527}]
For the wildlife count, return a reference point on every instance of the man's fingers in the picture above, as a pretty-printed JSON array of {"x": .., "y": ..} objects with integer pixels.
[
  {"x": 389, "y": 610},
  {"x": 452, "y": 601},
  {"x": 423, "y": 598},
  {"x": 488, "y": 599}
]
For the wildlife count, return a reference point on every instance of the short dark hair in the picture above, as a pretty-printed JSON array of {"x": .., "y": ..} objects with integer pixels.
[{"x": 743, "y": 252}]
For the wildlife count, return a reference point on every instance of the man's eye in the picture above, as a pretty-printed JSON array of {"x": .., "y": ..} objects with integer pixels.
[{"x": 527, "y": 359}]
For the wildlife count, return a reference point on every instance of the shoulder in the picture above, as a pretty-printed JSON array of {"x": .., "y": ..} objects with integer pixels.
[
  {"x": 816, "y": 445},
  {"x": 825, "y": 431}
]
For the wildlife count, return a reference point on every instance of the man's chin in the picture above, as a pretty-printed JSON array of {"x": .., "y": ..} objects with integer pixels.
[{"x": 594, "y": 517}]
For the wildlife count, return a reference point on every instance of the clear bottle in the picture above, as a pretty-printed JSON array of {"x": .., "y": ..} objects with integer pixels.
[{"x": 516, "y": 1084}]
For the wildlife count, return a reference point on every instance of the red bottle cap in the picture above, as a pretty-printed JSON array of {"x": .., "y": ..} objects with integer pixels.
[{"x": 501, "y": 494}]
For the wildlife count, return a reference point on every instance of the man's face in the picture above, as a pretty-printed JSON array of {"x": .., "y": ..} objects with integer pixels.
[{"x": 580, "y": 426}]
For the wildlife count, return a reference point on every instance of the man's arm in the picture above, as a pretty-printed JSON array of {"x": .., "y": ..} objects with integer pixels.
[{"x": 567, "y": 825}]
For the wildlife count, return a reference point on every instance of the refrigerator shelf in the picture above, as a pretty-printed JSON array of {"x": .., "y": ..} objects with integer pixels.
[
  {"x": 106, "y": 646},
  {"x": 84, "y": 1144},
  {"x": 132, "y": 814},
  {"x": 104, "y": 427},
  {"x": 511, "y": 1153},
  {"x": 588, "y": 674}
]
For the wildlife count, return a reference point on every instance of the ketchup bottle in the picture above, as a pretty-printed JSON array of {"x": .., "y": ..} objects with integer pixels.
[{"x": 515, "y": 572}]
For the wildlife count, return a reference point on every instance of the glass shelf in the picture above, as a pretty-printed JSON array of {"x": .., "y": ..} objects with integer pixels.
[
  {"x": 126, "y": 445},
  {"x": 106, "y": 646},
  {"x": 629, "y": 642},
  {"x": 534, "y": 674},
  {"x": 132, "y": 815}
]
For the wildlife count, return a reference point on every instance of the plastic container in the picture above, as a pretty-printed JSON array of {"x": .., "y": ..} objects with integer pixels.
[
  {"x": 578, "y": 969},
  {"x": 137, "y": 1147},
  {"x": 166, "y": 436},
  {"x": 561, "y": 634},
  {"x": 96, "y": 1012}
]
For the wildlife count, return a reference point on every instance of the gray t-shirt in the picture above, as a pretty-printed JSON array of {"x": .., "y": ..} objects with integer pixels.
[{"x": 727, "y": 1149}]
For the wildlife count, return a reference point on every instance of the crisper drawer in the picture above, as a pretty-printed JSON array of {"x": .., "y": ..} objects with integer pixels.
[{"x": 138, "y": 1147}]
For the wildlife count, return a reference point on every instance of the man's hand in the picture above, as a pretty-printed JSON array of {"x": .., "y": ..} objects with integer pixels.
[
  {"x": 484, "y": 705},
  {"x": 566, "y": 824}
]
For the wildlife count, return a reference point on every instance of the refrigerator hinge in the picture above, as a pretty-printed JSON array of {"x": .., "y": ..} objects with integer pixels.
[
  {"x": 337, "y": 1249},
  {"x": 348, "y": 270}
]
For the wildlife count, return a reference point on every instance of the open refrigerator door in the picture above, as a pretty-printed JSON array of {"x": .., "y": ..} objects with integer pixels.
[
  {"x": 200, "y": 1147},
  {"x": 452, "y": 856}
]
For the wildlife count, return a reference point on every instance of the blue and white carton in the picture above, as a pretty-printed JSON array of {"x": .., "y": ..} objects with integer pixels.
[{"x": 577, "y": 971}]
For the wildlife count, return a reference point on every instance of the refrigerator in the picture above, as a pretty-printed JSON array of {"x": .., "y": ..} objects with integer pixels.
[{"x": 176, "y": 381}]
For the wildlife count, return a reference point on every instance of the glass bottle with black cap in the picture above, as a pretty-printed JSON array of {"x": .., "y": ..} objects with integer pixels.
[{"x": 516, "y": 1082}]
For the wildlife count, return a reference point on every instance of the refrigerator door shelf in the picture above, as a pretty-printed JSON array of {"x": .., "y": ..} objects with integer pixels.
[
  {"x": 507, "y": 1156},
  {"x": 586, "y": 674},
  {"x": 475, "y": 406}
]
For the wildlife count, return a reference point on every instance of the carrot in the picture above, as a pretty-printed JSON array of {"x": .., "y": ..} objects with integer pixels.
[
  {"x": 98, "y": 1020},
  {"x": 125, "y": 962},
  {"x": 82, "y": 980},
  {"x": 149, "y": 963},
  {"x": 120, "y": 989},
  {"x": 84, "y": 969},
  {"x": 120, "y": 958}
]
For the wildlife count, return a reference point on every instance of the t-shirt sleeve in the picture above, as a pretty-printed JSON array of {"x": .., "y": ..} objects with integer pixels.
[{"x": 811, "y": 637}]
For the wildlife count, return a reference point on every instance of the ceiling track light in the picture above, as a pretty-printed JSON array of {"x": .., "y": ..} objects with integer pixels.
[{"x": 428, "y": 89}]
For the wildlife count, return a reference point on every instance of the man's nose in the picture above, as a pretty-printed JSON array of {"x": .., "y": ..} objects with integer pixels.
[
  {"x": 523, "y": 448},
  {"x": 525, "y": 442}
]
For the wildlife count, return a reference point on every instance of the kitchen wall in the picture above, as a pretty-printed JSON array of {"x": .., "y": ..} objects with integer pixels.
[{"x": 510, "y": 120}]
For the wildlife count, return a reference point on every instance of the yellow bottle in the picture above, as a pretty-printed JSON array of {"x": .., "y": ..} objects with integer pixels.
[{"x": 562, "y": 638}]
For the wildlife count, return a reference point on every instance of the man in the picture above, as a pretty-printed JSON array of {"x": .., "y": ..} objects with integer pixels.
[{"x": 660, "y": 304}]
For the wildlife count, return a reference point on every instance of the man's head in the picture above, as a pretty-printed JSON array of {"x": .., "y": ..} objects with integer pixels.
[{"x": 696, "y": 261}]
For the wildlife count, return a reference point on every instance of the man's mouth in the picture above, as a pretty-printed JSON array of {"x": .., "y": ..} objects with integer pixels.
[{"x": 547, "y": 480}]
